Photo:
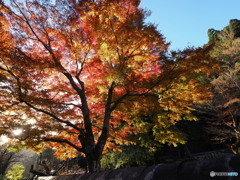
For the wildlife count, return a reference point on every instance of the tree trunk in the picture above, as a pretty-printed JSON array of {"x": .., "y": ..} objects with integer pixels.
[{"x": 93, "y": 162}]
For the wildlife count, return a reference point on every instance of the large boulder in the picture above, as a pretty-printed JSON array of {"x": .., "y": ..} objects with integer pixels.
[
  {"x": 219, "y": 168},
  {"x": 26, "y": 158}
]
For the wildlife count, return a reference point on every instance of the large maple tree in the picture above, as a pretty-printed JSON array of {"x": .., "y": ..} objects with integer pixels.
[{"x": 74, "y": 73}]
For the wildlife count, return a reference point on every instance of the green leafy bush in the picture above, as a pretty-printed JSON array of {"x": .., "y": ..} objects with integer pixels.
[
  {"x": 129, "y": 157},
  {"x": 15, "y": 172}
]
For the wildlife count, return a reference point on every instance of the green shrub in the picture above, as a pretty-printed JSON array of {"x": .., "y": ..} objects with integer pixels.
[
  {"x": 129, "y": 157},
  {"x": 15, "y": 172}
]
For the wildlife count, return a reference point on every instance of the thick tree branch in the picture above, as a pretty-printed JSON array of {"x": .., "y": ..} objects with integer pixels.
[
  {"x": 107, "y": 115},
  {"x": 88, "y": 135},
  {"x": 64, "y": 141},
  {"x": 84, "y": 107},
  {"x": 52, "y": 115},
  {"x": 108, "y": 109},
  {"x": 15, "y": 77},
  {"x": 118, "y": 101},
  {"x": 73, "y": 84},
  {"x": 146, "y": 92}
]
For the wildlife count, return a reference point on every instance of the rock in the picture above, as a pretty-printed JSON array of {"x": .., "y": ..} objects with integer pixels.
[{"x": 185, "y": 170}]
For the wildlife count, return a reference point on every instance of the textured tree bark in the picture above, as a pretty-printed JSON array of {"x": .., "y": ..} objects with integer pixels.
[{"x": 93, "y": 162}]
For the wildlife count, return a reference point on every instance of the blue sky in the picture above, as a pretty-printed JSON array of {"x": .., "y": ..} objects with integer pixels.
[{"x": 185, "y": 22}]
